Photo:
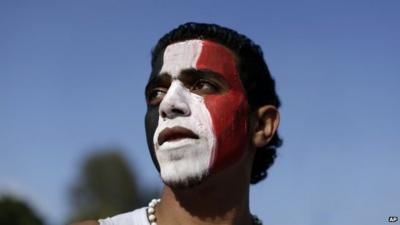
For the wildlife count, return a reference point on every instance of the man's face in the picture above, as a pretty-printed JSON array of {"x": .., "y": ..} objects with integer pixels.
[{"x": 196, "y": 122}]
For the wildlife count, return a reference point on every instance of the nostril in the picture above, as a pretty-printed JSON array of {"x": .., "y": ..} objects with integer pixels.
[
  {"x": 163, "y": 114},
  {"x": 178, "y": 111},
  {"x": 168, "y": 110}
]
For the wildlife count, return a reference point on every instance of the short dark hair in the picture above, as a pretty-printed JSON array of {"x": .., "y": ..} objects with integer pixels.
[{"x": 253, "y": 71}]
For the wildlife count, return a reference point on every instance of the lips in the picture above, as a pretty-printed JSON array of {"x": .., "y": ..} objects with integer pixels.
[{"x": 175, "y": 133}]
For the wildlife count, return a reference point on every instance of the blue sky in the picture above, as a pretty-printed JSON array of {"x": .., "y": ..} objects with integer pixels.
[{"x": 72, "y": 77}]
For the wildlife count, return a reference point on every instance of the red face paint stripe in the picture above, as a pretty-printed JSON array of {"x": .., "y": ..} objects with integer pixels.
[{"x": 228, "y": 111}]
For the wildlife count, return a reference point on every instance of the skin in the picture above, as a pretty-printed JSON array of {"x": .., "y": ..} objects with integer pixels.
[
  {"x": 227, "y": 187},
  {"x": 197, "y": 87},
  {"x": 231, "y": 168},
  {"x": 222, "y": 205}
]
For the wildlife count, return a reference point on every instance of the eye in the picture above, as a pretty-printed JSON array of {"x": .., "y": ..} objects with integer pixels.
[
  {"x": 156, "y": 95},
  {"x": 204, "y": 87}
]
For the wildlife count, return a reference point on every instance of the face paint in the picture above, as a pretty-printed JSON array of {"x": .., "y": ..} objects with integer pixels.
[
  {"x": 219, "y": 120},
  {"x": 228, "y": 111}
]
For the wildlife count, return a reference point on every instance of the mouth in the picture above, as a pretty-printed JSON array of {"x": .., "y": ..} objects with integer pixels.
[{"x": 174, "y": 134}]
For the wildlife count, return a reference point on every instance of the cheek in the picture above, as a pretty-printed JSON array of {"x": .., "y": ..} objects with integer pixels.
[
  {"x": 151, "y": 122},
  {"x": 229, "y": 119}
]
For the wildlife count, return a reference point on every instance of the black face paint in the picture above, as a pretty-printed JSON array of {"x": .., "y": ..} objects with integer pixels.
[
  {"x": 152, "y": 114},
  {"x": 151, "y": 122}
]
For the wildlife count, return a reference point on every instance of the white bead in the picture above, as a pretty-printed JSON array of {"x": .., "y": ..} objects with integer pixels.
[
  {"x": 152, "y": 217},
  {"x": 150, "y": 210}
]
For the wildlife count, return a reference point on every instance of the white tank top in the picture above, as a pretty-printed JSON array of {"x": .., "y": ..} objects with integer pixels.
[{"x": 136, "y": 217}]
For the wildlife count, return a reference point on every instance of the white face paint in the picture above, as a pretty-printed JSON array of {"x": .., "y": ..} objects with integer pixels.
[{"x": 184, "y": 159}]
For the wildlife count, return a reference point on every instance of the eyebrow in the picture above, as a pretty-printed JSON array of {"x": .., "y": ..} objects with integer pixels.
[{"x": 202, "y": 73}]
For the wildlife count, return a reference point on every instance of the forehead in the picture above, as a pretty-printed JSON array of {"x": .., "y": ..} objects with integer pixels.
[{"x": 198, "y": 54}]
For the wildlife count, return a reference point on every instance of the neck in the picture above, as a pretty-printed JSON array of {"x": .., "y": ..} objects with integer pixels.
[{"x": 221, "y": 199}]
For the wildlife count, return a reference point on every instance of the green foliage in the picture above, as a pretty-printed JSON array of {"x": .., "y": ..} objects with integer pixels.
[
  {"x": 106, "y": 187},
  {"x": 17, "y": 212}
]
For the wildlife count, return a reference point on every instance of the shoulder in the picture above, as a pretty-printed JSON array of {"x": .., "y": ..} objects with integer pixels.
[
  {"x": 136, "y": 217},
  {"x": 88, "y": 222}
]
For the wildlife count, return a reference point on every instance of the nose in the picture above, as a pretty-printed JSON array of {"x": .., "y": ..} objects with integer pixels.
[{"x": 175, "y": 103}]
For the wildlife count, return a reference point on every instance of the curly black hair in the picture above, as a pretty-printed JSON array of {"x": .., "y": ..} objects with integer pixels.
[{"x": 253, "y": 71}]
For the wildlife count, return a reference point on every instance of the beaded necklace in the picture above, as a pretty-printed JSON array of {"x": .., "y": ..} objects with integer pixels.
[{"x": 153, "y": 220}]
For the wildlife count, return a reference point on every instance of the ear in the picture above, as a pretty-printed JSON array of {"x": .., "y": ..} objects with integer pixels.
[{"x": 267, "y": 122}]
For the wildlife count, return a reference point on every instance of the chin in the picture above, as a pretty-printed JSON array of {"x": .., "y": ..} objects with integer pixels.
[
  {"x": 184, "y": 167},
  {"x": 185, "y": 182}
]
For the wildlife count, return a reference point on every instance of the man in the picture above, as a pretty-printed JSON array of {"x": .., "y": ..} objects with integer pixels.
[{"x": 211, "y": 127}]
